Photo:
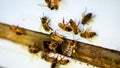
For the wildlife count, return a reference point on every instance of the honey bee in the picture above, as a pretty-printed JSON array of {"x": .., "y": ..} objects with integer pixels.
[
  {"x": 45, "y": 23},
  {"x": 70, "y": 47},
  {"x": 34, "y": 48},
  {"x": 64, "y": 26},
  {"x": 53, "y": 46},
  {"x": 74, "y": 26},
  {"x": 47, "y": 57},
  {"x": 52, "y": 4},
  {"x": 46, "y": 46},
  {"x": 63, "y": 61},
  {"x": 87, "y": 34},
  {"x": 17, "y": 30},
  {"x": 87, "y": 18},
  {"x": 55, "y": 61},
  {"x": 57, "y": 38}
]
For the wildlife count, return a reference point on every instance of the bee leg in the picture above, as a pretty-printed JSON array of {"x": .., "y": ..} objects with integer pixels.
[
  {"x": 79, "y": 28},
  {"x": 48, "y": 21},
  {"x": 51, "y": 28}
]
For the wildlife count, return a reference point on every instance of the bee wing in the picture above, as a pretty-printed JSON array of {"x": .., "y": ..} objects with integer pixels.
[
  {"x": 42, "y": 5},
  {"x": 88, "y": 29},
  {"x": 83, "y": 14}
]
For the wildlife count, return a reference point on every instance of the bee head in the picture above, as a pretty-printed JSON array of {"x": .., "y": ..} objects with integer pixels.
[
  {"x": 44, "y": 19},
  {"x": 93, "y": 34},
  {"x": 71, "y": 21},
  {"x": 89, "y": 14},
  {"x": 82, "y": 35},
  {"x": 51, "y": 8}
]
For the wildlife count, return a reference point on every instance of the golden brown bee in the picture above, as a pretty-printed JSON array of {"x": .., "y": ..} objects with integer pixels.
[
  {"x": 45, "y": 23},
  {"x": 63, "y": 61},
  {"x": 64, "y": 26},
  {"x": 87, "y": 34},
  {"x": 55, "y": 61},
  {"x": 87, "y": 18},
  {"x": 57, "y": 38},
  {"x": 53, "y": 46},
  {"x": 52, "y": 4},
  {"x": 47, "y": 57},
  {"x": 17, "y": 30},
  {"x": 34, "y": 48},
  {"x": 46, "y": 46},
  {"x": 74, "y": 27},
  {"x": 70, "y": 47}
]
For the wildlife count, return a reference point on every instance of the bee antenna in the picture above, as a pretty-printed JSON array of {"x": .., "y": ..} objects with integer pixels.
[
  {"x": 43, "y": 13},
  {"x": 55, "y": 30},
  {"x": 85, "y": 9},
  {"x": 63, "y": 20}
]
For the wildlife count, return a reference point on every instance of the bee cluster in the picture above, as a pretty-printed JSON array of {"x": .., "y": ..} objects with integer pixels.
[
  {"x": 58, "y": 44},
  {"x": 71, "y": 26},
  {"x": 55, "y": 46}
]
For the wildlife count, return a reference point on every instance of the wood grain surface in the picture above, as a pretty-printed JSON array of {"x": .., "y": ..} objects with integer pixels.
[{"x": 91, "y": 54}]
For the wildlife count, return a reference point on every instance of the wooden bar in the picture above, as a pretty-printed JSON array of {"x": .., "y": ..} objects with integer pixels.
[{"x": 91, "y": 54}]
